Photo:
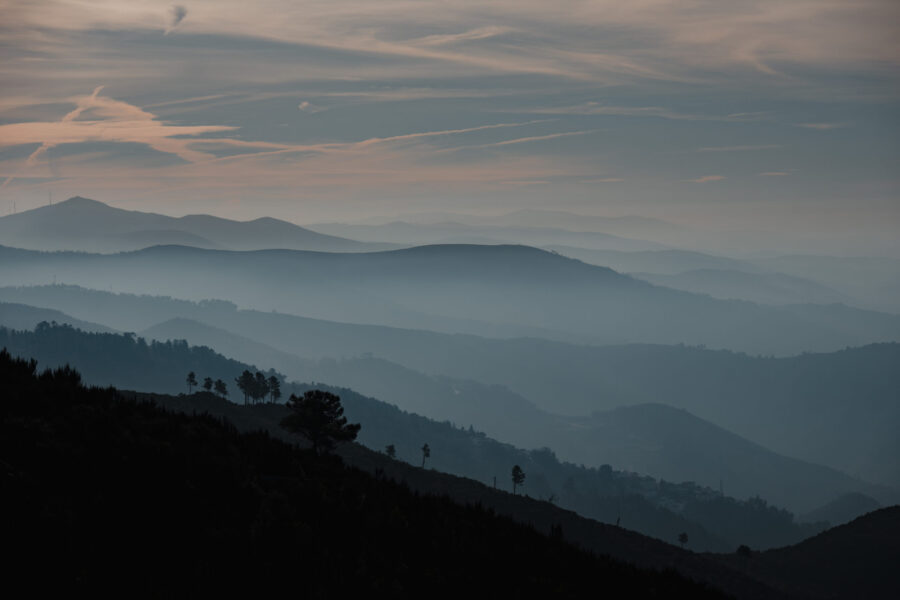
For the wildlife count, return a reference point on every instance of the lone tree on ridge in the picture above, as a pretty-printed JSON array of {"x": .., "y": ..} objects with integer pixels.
[
  {"x": 518, "y": 477},
  {"x": 319, "y": 417},
  {"x": 426, "y": 453}
]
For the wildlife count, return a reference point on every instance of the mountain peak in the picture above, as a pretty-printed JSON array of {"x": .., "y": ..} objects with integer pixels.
[{"x": 81, "y": 201}]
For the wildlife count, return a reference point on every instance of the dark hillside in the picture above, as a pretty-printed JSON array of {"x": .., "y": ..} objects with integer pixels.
[
  {"x": 115, "y": 495},
  {"x": 653, "y": 507},
  {"x": 855, "y": 560}
]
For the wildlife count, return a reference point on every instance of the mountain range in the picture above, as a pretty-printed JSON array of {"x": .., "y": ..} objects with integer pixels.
[
  {"x": 87, "y": 225},
  {"x": 502, "y": 291}
]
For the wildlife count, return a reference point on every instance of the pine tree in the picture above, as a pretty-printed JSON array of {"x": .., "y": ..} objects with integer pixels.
[
  {"x": 518, "y": 477},
  {"x": 245, "y": 383},
  {"x": 319, "y": 416},
  {"x": 274, "y": 388}
]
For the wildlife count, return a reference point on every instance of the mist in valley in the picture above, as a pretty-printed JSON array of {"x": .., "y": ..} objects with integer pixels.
[{"x": 512, "y": 300}]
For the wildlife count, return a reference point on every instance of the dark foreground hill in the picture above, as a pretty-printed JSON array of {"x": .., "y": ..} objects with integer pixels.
[
  {"x": 855, "y": 560},
  {"x": 110, "y": 495}
]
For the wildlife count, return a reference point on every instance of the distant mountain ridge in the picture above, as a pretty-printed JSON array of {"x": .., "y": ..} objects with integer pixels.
[
  {"x": 460, "y": 233},
  {"x": 88, "y": 225},
  {"x": 764, "y": 288},
  {"x": 504, "y": 291}
]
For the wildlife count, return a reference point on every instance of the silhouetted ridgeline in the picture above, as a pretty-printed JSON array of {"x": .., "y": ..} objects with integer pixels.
[
  {"x": 122, "y": 360},
  {"x": 107, "y": 495},
  {"x": 855, "y": 560},
  {"x": 657, "y": 508}
]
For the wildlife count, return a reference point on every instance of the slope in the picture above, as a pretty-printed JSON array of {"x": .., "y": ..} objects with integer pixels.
[
  {"x": 855, "y": 560},
  {"x": 91, "y": 476}
]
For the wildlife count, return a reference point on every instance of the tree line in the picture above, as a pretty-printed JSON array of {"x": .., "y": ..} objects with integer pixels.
[{"x": 256, "y": 388}]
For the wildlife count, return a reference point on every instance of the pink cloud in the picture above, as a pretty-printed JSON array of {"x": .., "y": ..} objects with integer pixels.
[{"x": 707, "y": 178}]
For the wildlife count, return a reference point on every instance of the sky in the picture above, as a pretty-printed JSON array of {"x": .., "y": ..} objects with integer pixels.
[{"x": 766, "y": 114}]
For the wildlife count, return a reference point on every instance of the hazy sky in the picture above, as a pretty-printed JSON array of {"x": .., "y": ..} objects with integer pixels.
[{"x": 758, "y": 113}]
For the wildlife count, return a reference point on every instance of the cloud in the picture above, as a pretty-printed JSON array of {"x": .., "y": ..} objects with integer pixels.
[
  {"x": 821, "y": 126},
  {"x": 707, "y": 178},
  {"x": 600, "y": 41},
  {"x": 738, "y": 148},
  {"x": 603, "y": 180},
  {"x": 521, "y": 140},
  {"x": 411, "y": 136},
  {"x": 596, "y": 108},
  {"x": 97, "y": 118},
  {"x": 177, "y": 13},
  {"x": 309, "y": 107},
  {"x": 481, "y": 33},
  {"x": 775, "y": 174}
]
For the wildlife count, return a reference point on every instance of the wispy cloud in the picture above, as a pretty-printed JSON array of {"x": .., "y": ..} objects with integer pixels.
[
  {"x": 376, "y": 161},
  {"x": 586, "y": 41},
  {"x": 775, "y": 174},
  {"x": 520, "y": 140},
  {"x": 738, "y": 148},
  {"x": 309, "y": 107},
  {"x": 596, "y": 108},
  {"x": 480, "y": 33},
  {"x": 99, "y": 118},
  {"x": 707, "y": 179},
  {"x": 411, "y": 136},
  {"x": 821, "y": 126}
]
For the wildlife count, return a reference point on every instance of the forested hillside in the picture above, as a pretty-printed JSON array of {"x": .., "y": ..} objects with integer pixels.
[
  {"x": 654, "y": 507},
  {"x": 101, "y": 489}
]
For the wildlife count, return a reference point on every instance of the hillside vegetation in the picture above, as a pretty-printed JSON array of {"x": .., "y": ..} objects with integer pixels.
[
  {"x": 654, "y": 507},
  {"x": 122, "y": 495}
]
